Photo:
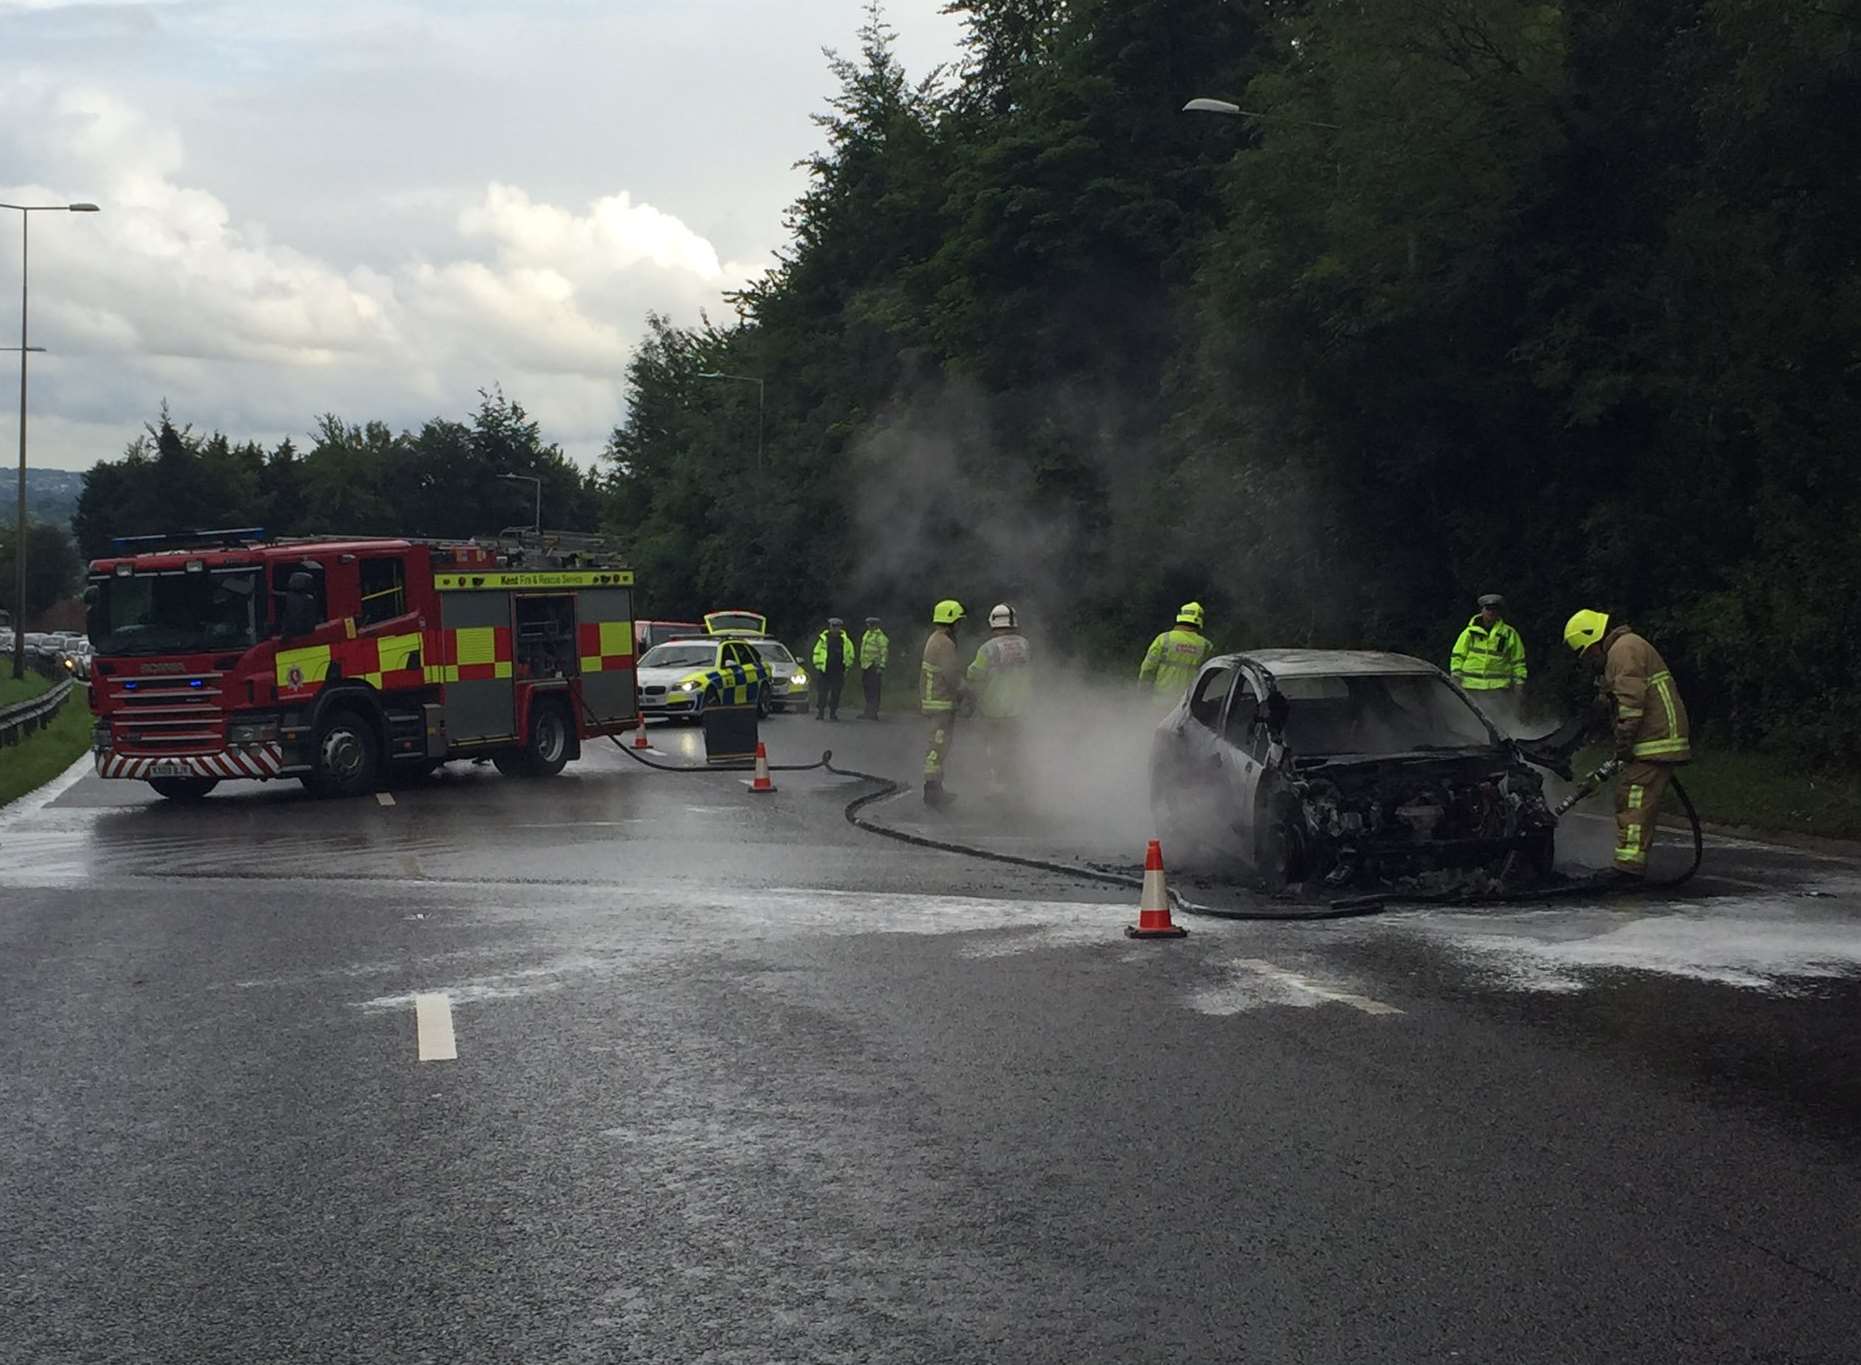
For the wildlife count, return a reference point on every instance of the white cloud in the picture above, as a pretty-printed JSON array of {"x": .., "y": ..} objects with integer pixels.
[{"x": 172, "y": 297}]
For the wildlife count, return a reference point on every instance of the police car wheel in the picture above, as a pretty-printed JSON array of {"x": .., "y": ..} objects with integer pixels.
[
  {"x": 762, "y": 703},
  {"x": 347, "y": 755}
]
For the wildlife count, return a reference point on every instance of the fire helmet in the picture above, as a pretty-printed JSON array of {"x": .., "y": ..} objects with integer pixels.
[
  {"x": 1002, "y": 617},
  {"x": 1191, "y": 613},
  {"x": 947, "y": 612},
  {"x": 1585, "y": 628}
]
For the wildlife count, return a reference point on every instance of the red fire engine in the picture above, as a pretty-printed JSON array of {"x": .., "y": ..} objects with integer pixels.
[{"x": 227, "y": 655}]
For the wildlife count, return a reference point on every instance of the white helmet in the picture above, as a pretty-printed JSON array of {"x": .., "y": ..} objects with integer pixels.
[{"x": 1002, "y": 617}]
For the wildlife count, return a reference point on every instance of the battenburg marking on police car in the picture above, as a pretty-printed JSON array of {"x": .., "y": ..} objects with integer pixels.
[{"x": 504, "y": 582}]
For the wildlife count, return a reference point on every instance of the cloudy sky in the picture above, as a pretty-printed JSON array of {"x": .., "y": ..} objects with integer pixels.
[{"x": 377, "y": 207}]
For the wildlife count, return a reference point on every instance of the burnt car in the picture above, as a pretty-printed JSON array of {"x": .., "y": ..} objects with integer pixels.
[{"x": 1343, "y": 765}]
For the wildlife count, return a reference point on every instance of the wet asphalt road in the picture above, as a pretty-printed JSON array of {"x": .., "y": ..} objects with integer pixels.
[{"x": 736, "y": 1082}]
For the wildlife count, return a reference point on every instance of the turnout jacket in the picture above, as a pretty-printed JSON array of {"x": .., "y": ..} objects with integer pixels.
[
  {"x": 1649, "y": 719},
  {"x": 1171, "y": 662}
]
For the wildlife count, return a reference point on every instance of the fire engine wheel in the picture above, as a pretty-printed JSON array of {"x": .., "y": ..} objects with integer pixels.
[
  {"x": 183, "y": 788},
  {"x": 348, "y": 756},
  {"x": 547, "y": 753}
]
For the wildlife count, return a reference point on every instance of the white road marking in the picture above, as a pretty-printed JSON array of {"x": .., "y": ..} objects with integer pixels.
[
  {"x": 384, "y": 799},
  {"x": 39, "y": 798},
  {"x": 1294, "y": 982},
  {"x": 433, "y": 1024}
]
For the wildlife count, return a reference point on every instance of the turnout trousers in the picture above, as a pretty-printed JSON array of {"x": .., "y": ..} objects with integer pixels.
[
  {"x": 1638, "y": 793},
  {"x": 942, "y": 733}
]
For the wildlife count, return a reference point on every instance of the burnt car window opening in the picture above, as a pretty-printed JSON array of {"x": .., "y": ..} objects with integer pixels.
[
  {"x": 384, "y": 594},
  {"x": 1378, "y": 714},
  {"x": 1241, "y": 713},
  {"x": 177, "y": 612},
  {"x": 1211, "y": 690}
]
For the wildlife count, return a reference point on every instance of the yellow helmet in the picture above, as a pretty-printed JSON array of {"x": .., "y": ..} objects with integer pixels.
[
  {"x": 947, "y": 612},
  {"x": 1190, "y": 612},
  {"x": 1585, "y": 628}
]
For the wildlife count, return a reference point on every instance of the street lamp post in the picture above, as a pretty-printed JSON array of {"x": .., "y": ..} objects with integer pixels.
[
  {"x": 1233, "y": 110},
  {"x": 531, "y": 478},
  {"x": 745, "y": 379},
  {"x": 25, "y": 212}
]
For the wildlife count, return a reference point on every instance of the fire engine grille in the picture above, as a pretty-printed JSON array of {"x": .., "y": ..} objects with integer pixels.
[{"x": 177, "y": 714}]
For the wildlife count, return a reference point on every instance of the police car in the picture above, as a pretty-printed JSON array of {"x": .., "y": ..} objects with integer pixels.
[
  {"x": 682, "y": 677},
  {"x": 788, "y": 680}
]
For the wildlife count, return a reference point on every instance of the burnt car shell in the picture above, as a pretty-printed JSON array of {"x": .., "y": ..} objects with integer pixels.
[{"x": 1341, "y": 765}]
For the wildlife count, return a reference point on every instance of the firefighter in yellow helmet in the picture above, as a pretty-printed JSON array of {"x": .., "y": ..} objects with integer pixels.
[
  {"x": 1171, "y": 662},
  {"x": 940, "y": 690},
  {"x": 1649, "y": 724}
]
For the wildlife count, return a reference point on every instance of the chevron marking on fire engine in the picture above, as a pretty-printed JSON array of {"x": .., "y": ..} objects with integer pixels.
[{"x": 433, "y": 1026}]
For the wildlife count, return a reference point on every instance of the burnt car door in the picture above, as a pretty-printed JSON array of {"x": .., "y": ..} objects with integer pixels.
[
  {"x": 1187, "y": 772},
  {"x": 1242, "y": 751}
]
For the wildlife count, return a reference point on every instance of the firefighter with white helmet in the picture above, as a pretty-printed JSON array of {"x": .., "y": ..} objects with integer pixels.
[
  {"x": 1648, "y": 722},
  {"x": 1175, "y": 656},
  {"x": 940, "y": 690},
  {"x": 1002, "y": 684}
]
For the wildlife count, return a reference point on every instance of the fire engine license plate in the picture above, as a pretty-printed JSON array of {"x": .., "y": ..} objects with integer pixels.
[{"x": 170, "y": 770}]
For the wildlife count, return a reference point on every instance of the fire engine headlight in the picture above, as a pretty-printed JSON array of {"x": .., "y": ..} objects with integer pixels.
[
  {"x": 799, "y": 679},
  {"x": 253, "y": 732}
]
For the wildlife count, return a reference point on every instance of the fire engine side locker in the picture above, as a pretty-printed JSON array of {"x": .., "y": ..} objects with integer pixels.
[
  {"x": 604, "y": 623},
  {"x": 481, "y": 701}
]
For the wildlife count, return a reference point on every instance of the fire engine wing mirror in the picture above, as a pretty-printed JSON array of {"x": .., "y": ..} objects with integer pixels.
[{"x": 300, "y": 607}]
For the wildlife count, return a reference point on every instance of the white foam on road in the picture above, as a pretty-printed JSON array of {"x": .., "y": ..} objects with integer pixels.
[
  {"x": 1252, "y": 984},
  {"x": 433, "y": 1027},
  {"x": 1760, "y": 943}
]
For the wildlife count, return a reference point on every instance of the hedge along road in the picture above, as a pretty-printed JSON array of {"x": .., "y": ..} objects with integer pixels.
[{"x": 637, "y": 1065}]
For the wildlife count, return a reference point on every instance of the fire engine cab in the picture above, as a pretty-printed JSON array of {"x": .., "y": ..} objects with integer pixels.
[{"x": 225, "y": 654}]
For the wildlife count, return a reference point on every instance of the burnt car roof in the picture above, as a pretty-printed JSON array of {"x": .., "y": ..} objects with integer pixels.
[{"x": 1326, "y": 663}]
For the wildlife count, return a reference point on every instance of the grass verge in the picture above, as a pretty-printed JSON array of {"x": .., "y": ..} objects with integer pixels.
[
  {"x": 39, "y": 758},
  {"x": 1763, "y": 792},
  {"x": 14, "y": 690}
]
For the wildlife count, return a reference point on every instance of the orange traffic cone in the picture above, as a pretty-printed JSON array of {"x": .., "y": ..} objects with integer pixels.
[
  {"x": 1153, "y": 909},
  {"x": 760, "y": 782},
  {"x": 640, "y": 741}
]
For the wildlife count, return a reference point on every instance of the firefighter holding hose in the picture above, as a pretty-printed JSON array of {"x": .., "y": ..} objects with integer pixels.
[{"x": 1649, "y": 724}]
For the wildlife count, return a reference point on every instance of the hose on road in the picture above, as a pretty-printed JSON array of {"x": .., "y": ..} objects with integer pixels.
[{"x": 1347, "y": 908}]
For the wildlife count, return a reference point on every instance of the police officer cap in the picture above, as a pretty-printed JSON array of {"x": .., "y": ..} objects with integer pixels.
[
  {"x": 872, "y": 620},
  {"x": 835, "y": 621},
  {"x": 1493, "y": 600}
]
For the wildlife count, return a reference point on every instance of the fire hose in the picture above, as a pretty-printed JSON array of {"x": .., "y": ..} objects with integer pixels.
[{"x": 1346, "y": 908}]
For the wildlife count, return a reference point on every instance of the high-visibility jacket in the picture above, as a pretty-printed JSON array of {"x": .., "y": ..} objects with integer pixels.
[
  {"x": 1650, "y": 720},
  {"x": 875, "y": 651},
  {"x": 1171, "y": 662},
  {"x": 940, "y": 683},
  {"x": 1488, "y": 657},
  {"x": 825, "y": 655},
  {"x": 1002, "y": 678}
]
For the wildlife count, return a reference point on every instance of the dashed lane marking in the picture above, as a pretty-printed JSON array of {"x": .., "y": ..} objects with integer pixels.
[
  {"x": 1294, "y": 982},
  {"x": 382, "y": 798},
  {"x": 433, "y": 1026}
]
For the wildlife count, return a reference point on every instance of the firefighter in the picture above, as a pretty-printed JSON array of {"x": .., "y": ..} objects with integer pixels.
[
  {"x": 833, "y": 656},
  {"x": 1001, "y": 683},
  {"x": 1489, "y": 661},
  {"x": 1649, "y": 722},
  {"x": 875, "y": 652},
  {"x": 1171, "y": 662},
  {"x": 940, "y": 690}
]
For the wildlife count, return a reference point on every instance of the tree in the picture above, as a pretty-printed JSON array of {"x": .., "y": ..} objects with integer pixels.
[{"x": 53, "y": 570}]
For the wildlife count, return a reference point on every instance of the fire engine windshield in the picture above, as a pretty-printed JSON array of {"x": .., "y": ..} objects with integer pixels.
[{"x": 176, "y": 612}]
